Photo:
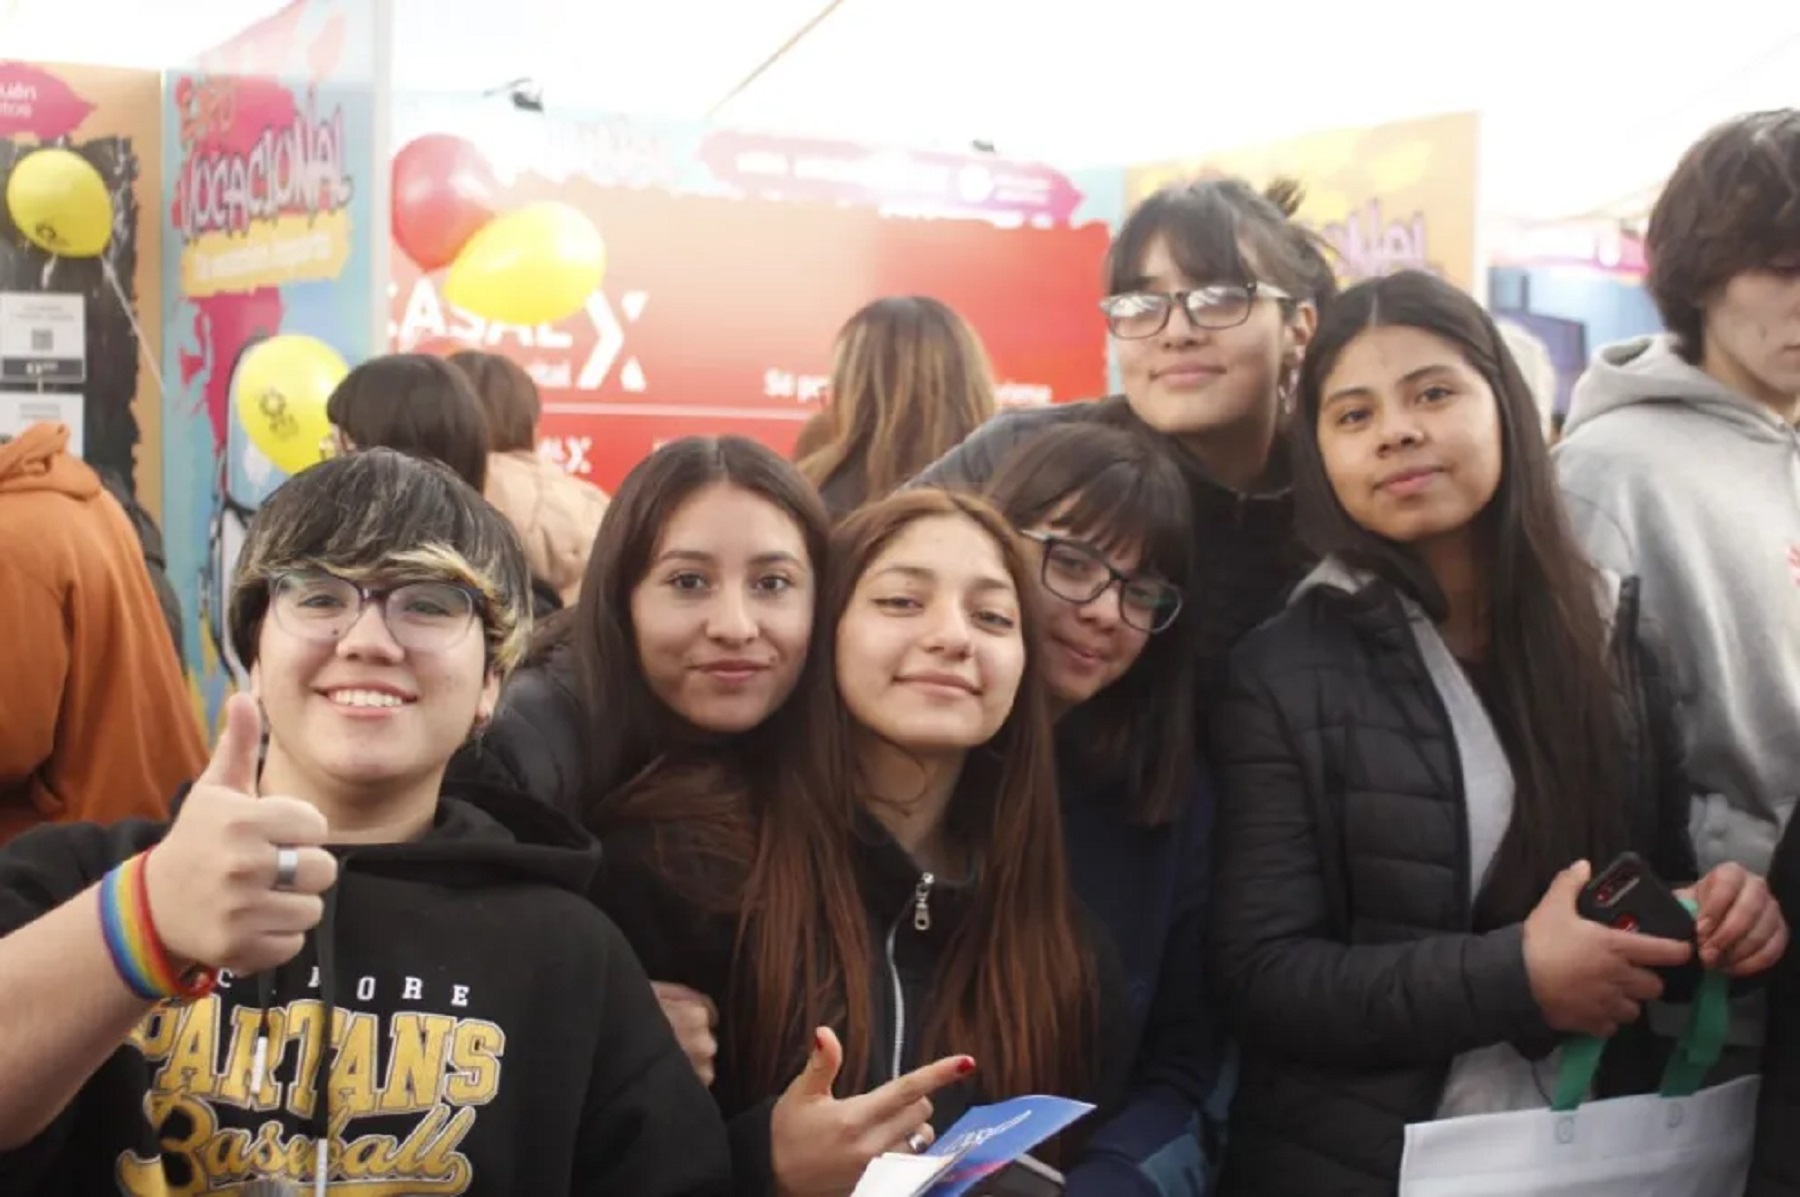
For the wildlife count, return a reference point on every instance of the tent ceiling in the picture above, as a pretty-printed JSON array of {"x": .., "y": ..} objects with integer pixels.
[{"x": 1585, "y": 101}]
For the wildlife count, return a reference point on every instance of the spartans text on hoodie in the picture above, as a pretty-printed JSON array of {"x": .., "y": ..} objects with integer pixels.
[
  {"x": 462, "y": 1022},
  {"x": 1675, "y": 478}
]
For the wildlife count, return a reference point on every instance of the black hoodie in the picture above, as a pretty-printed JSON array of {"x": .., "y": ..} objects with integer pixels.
[
  {"x": 913, "y": 918},
  {"x": 491, "y": 1033}
]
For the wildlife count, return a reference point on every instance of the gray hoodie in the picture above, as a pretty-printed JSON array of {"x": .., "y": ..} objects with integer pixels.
[{"x": 1674, "y": 477}]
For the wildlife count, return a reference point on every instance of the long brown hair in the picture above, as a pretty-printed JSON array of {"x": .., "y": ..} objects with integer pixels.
[
  {"x": 909, "y": 381},
  {"x": 1017, "y": 987},
  {"x": 626, "y": 725},
  {"x": 1549, "y": 641}
]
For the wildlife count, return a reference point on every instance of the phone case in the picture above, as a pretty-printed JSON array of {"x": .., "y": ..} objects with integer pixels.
[{"x": 1628, "y": 895}]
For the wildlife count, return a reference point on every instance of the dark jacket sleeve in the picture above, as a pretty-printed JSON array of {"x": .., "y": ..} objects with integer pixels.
[
  {"x": 1167, "y": 1137},
  {"x": 679, "y": 944},
  {"x": 532, "y": 744},
  {"x": 49, "y": 865},
  {"x": 978, "y": 458},
  {"x": 670, "y": 936},
  {"x": 752, "y": 1149},
  {"x": 1287, "y": 983},
  {"x": 648, "y": 1126},
  {"x": 1117, "y": 1038},
  {"x": 41, "y": 870},
  {"x": 1775, "y": 1167}
]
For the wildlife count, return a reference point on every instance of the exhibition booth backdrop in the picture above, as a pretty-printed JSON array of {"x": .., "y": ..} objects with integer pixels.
[{"x": 258, "y": 252}]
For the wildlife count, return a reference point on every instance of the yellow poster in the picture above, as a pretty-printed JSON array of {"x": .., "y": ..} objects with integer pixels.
[
  {"x": 113, "y": 119},
  {"x": 1386, "y": 197}
]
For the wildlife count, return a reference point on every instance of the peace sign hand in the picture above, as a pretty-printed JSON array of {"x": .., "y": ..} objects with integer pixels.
[{"x": 821, "y": 1145}]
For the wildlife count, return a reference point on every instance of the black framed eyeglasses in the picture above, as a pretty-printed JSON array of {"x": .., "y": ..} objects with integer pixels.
[
  {"x": 1077, "y": 573},
  {"x": 1134, "y": 315},
  {"x": 423, "y": 617}
]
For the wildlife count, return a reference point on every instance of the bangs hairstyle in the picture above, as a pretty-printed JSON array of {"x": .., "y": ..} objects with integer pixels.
[
  {"x": 1117, "y": 489},
  {"x": 1548, "y": 644},
  {"x": 1224, "y": 230},
  {"x": 382, "y": 516},
  {"x": 418, "y": 404},
  {"x": 1732, "y": 205},
  {"x": 626, "y": 725},
  {"x": 509, "y": 399}
]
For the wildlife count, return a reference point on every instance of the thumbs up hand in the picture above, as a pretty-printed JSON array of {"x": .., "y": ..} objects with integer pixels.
[
  {"x": 821, "y": 1146},
  {"x": 213, "y": 880}
]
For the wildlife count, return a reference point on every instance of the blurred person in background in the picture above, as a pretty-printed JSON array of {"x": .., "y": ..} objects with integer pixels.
[
  {"x": 1535, "y": 363},
  {"x": 420, "y": 405},
  {"x": 96, "y": 723},
  {"x": 909, "y": 381},
  {"x": 414, "y": 403},
  {"x": 1680, "y": 464},
  {"x": 556, "y": 513}
]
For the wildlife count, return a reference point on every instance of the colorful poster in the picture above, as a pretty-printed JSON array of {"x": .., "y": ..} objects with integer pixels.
[
  {"x": 1387, "y": 197},
  {"x": 268, "y": 229},
  {"x": 110, "y": 118},
  {"x": 724, "y": 292}
]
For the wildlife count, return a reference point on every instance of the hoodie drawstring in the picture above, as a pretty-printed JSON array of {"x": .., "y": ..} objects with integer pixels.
[{"x": 320, "y": 1127}]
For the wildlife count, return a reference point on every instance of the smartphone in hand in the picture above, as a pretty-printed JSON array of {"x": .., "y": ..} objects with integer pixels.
[{"x": 1627, "y": 894}]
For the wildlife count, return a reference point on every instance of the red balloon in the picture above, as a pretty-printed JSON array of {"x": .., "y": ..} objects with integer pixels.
[{"x": 444, "y": 191}]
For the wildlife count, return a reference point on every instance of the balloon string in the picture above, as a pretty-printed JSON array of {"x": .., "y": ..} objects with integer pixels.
[{"x": 137, "y": 329}]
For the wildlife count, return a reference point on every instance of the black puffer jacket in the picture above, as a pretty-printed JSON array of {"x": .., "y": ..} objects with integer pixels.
[
  {"x": 1246, "y": 552},
  {"x": 1342, "y": 946},
  {"x": 533, "y": 744}
]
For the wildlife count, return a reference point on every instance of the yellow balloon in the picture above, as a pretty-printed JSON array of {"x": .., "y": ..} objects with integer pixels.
[
  {"x": 280, "y": 391},
  {"x": 60, "y": 202},
  {"x": 536, "y": 265}
]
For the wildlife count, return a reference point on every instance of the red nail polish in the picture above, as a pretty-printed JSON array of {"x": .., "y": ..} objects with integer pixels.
[{"x": 965, "y": 1066}]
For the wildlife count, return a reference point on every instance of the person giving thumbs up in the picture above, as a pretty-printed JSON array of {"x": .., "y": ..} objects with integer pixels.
[
  {"x": 237, "y": 883},
  {"x": 234, "y": 884}
]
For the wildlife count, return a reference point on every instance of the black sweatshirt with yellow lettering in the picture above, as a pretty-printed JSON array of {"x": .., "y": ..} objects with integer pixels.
[{"x": 462, "y": 1022}]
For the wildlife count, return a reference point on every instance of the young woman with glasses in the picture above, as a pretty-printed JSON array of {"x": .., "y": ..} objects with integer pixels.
[
  {"x": 1212, "y": 294},
  {"x": 1105, "y": 511},
  {"x": 204, "y": 1001}
]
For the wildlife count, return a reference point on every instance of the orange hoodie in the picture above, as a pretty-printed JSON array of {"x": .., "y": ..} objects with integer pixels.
[{"x": 95, "y": 719}]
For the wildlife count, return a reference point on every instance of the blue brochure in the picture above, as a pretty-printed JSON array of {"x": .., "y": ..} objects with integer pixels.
[{"x": 990, "y": 1139}]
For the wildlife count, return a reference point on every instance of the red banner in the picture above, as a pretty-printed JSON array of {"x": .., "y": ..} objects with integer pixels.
[{"x": 717, "y": 315}]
